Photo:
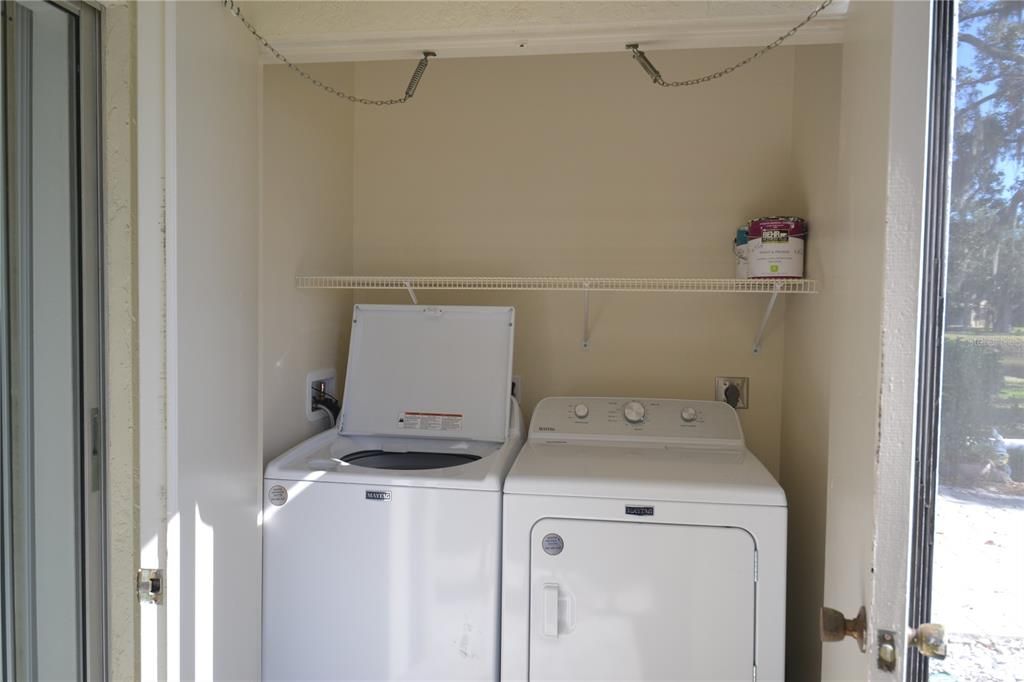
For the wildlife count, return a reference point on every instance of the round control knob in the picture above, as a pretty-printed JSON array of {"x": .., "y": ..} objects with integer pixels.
[
  {"x": 688, "y": 414},
  {"x": 581, "y": 411},
  {"x": 634, "y": 412}
]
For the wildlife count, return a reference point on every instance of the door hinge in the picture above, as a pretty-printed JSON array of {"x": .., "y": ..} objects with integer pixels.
[{"x": 150, "y": 584}]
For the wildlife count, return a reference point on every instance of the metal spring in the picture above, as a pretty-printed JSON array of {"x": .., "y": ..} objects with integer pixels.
[
  {"x": 418, "y": 74},
  {"x": 236, "y": 11},
  {"x": 655, "y": 75}
]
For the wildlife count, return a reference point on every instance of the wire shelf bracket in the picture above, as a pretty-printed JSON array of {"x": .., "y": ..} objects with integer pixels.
[
  {"x": 412, "y": 293},
  {"x": 764, "y": 320},
  {"x": 586, "y": 319}
]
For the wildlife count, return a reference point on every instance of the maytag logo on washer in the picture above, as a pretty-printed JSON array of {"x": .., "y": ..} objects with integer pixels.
[
  {"x": 636, "y": 510},
  {"x": 384, "y": 495}
]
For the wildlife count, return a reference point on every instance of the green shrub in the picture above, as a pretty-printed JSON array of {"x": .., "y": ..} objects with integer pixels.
[{"x": 972, "y": 377}]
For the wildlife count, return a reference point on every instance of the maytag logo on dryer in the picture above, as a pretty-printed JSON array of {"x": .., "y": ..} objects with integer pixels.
[
  {"x": 380, "y": 495},
  {"x": 635, "y": 510}
]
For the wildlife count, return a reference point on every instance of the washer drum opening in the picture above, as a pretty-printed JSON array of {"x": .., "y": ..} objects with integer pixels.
[{"x": 382, "y": 459}]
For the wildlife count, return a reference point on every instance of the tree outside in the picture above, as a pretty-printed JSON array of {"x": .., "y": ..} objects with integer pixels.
[
  {"x": 983, "y": 391},
  {"x": 978, "y": 569}
]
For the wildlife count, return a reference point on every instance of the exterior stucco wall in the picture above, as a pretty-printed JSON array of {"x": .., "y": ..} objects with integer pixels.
[{"x": 121, "y": 335}]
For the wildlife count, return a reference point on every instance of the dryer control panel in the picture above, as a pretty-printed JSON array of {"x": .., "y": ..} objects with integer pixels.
[{"x": 634, "y": 419}]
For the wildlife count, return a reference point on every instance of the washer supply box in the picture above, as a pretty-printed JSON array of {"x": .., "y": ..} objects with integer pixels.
[{"x": 775, "y": 247}]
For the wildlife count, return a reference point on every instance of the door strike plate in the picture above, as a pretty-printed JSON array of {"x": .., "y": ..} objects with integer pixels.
[
  {"x": 887, "y": 650},
  {"x": 150, "y": 583}
]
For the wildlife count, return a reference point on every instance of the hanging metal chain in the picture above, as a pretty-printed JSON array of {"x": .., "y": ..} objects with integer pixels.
[
  {"x": 410, "y": 89},
  {"x": 655, "y": 75}
]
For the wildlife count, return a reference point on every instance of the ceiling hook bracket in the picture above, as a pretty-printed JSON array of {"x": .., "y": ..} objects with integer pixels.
[{"x": 644, "y": 62}]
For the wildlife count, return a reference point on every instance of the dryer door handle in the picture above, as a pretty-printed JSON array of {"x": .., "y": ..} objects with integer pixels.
[{"x": 550, "y": 609}]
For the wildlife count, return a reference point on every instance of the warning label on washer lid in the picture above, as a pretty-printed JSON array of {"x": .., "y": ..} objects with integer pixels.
[{"x": 430, "y": 421}]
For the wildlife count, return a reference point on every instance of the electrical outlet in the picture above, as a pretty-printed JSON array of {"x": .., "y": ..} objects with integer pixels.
[
  {"x": 742, "y": 383},
  {"x": 328, "y": 379}
]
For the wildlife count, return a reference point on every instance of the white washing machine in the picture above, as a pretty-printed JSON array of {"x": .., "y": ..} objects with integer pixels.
[
  {"x": 381, "y": 539},
  {"x": 642, "y": 541}
]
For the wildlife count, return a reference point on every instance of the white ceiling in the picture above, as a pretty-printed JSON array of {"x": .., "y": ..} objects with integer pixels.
[{"x": 364, "y": 30}]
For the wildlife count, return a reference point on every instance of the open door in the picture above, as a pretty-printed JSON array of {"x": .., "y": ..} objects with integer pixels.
[
  {"x": 968, "y": 542},
  {"x": 891, "y": 62},
  {"x": 200, "y": 463},
  {"x": 926, "y": 464}
]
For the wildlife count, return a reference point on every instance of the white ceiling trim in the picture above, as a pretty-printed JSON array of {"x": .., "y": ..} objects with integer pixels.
[{"x": 541, "y": 40}]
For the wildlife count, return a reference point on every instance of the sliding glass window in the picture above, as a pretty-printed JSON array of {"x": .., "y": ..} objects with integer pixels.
[{"x": 50, "y": 364}]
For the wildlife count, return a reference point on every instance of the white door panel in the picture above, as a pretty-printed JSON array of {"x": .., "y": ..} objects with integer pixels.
[
  {"x": 623, "y": 601},
  {"x": 873, "y": 380},
  {"x": 199, "y": 432}
]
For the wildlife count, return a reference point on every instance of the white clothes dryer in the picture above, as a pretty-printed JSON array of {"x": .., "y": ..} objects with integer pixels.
[
  {"x": 642, "y": 541},
  {"x": 381, "y": 539}
]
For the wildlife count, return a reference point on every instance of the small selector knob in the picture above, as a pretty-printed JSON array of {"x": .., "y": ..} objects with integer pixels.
[
  {"x": 581, "y": 411},
  {"x": 634, "y": 412},
  {"x": 688, "y": 414}
]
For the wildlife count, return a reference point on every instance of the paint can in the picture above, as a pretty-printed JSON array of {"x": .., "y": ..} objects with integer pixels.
[
  {"x": 739, "y": 249},
  {"x": 775, "y": 247}
]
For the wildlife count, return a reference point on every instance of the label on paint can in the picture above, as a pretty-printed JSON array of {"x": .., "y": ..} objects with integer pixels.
[
  {"x": 277, "y": 495},
  {"x": 775, "y": 247}
]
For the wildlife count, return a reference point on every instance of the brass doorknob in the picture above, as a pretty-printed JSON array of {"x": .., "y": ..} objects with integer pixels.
[
  {"x": 930, "y": 640},
  {"x": 835, "y": 627}
]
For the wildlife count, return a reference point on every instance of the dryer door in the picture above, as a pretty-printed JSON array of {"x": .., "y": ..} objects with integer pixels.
[{"x": 618, "y": 600}]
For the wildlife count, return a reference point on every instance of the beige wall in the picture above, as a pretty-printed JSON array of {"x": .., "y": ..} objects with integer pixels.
[
  {"x": 306, "y": 228},
  {"x": 808, "y": 355},
  {"x": 576, "y": 165}
]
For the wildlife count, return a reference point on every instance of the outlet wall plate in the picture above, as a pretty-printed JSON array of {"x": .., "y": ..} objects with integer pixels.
[
  {"x": 329, "y": 376},
  {"x": 742, "y": 383}
]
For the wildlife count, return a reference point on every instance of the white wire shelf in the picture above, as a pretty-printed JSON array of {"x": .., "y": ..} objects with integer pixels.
[
  {"x": 639, "y": 284},
  {"x": 587, "y": 285}
]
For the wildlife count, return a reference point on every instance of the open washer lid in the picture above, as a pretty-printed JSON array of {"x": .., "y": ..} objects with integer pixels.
[{"x": 429, "y": 372}]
